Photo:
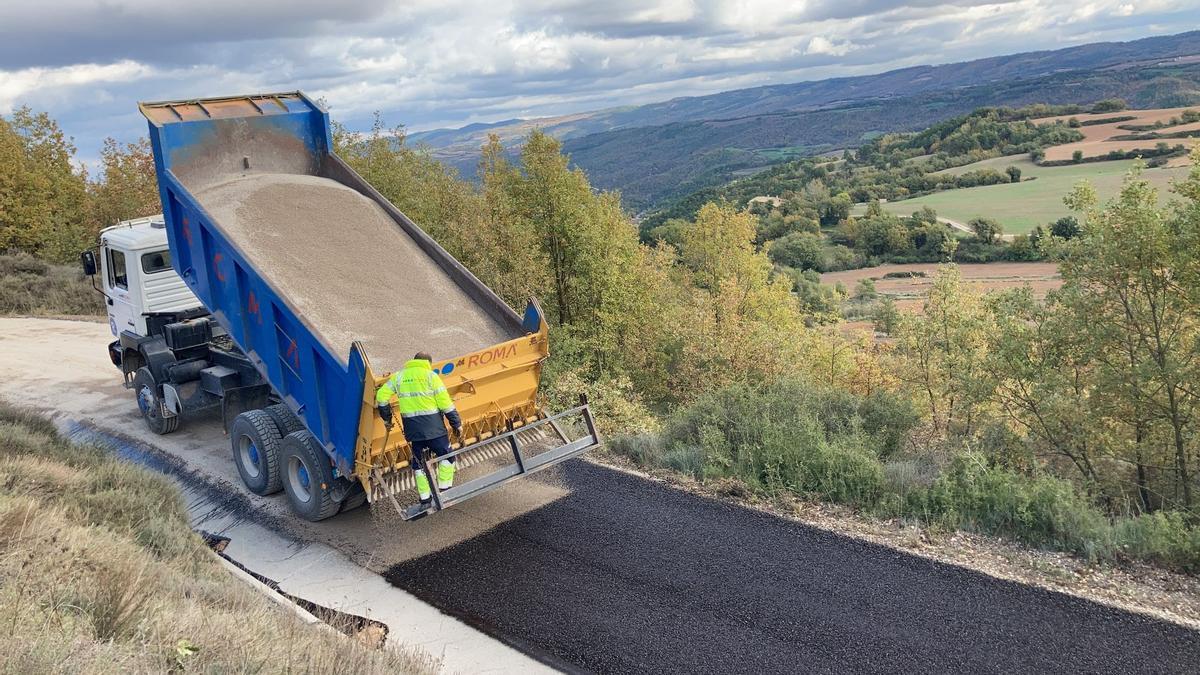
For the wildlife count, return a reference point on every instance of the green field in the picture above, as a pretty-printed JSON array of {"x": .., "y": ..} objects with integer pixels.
[{"x": 1019, "y": 207}]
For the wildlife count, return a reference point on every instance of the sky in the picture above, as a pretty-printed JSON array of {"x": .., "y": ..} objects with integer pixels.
[{"x": 438, "y": 63}]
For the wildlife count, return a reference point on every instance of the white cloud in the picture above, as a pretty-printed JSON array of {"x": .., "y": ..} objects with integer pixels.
[
  {"x": 822, "y": 45},
  {"x": 50, "y": 81},
  {"x": 437, "y": 62}
]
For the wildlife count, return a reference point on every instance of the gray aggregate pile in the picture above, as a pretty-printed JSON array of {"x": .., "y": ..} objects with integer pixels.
[
  {"x": 348, "y": 269},
  {"x": 626, "y": 576}
]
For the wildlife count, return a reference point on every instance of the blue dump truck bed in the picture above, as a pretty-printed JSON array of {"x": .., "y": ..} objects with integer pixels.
[{"x": 327, "y": 287}]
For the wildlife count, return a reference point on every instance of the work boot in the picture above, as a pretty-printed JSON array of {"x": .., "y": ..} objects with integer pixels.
[
  {"x": 423, "y": 491},
  {"x": 445, "y": 475}
]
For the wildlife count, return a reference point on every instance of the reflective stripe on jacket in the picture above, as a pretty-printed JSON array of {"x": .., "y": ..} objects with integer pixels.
[{"x": 421, "y": 399}]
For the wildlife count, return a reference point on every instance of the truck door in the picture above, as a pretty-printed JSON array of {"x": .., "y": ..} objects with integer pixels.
[{"x": 122, "y": 314}]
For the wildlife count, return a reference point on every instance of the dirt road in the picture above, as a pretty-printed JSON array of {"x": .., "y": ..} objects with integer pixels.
[{"x": 602, "y": 571}]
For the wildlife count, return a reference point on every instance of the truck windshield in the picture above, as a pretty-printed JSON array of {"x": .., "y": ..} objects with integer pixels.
[{"x": 156, "y": 261}]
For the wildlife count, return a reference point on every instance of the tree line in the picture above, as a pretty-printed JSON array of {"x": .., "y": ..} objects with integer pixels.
[{"x": 50, "y": 205}]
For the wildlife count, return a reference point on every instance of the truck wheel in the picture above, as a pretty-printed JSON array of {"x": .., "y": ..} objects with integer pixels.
[
  {"x": 285, "y": 420},
  {"x": 151, "y": 405},
  {"x": 307, "y": 477},
  {"x": 255, "y": 442},
  {"x": 355, "y": 498}
]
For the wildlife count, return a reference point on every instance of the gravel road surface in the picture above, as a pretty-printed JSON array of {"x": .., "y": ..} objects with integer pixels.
[{"x": 623, "y": 575}]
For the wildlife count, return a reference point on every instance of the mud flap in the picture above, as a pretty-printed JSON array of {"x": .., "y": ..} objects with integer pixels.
[
  {"x": 237, "y": 400},
  {"x": 523, "y": 464}
]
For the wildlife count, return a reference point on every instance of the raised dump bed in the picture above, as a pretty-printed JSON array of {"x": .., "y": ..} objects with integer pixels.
[
  {"x": 350, "y": 272},
  {"x": 326, "y": 287}
]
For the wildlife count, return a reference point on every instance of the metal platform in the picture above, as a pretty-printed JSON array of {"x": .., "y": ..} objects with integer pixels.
[{"x": 510, "y": 444}]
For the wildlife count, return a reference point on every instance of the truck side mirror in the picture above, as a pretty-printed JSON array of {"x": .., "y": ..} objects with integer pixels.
[{"x": 88, "y": 260}]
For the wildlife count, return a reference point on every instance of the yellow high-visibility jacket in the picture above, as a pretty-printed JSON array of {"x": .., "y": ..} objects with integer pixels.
[{"x": 422, "y": 400}]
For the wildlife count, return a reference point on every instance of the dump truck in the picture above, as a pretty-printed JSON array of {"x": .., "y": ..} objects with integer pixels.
[{"x": 279, "y": 288}]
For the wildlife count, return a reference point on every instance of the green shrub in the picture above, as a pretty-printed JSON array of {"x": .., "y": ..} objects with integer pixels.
[
  {"x": 1163, "y": 537},
  {"x": 1048, "y": 511},
  {"x": 791, "y": 435},
  {"x": 972, "y": 495},
  {"x": 644, "y": 450}
]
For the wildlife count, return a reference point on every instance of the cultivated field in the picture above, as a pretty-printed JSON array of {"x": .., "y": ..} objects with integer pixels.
[
  {"x": 910, "y": 291},
  {"x": 1098, "y": 138},
  {"x": 1019, "y": 207}
]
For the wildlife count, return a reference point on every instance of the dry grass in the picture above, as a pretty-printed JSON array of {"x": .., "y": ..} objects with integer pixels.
[
  {"x": 100, "y": 572},
  {"x": 29, "y": 286}
]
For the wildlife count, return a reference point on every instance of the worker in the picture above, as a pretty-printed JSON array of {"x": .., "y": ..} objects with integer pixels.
[{"x": 424, "y": 404}]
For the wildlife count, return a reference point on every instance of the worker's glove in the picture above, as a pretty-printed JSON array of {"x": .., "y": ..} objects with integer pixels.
[
  {"x": 458, "y": 433},
  {"x": 385, "y": 412}
]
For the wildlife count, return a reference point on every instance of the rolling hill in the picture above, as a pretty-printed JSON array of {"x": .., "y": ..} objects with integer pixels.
[{"x": 660, "y": 151}]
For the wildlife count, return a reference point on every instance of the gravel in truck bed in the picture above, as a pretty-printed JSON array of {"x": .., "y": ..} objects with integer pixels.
[{"x": 348, "y": 268}]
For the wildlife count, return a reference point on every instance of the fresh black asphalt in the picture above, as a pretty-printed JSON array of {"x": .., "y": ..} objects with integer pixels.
[{"x": 624, "y": 575}]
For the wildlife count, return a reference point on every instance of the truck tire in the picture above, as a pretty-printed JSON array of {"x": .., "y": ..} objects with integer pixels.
[
  {"x": 355, "y": 498},
  {"x": 255, "y": 442},
  {"x": 285, "y": 420},
  {"x": 307, "y": 477},
  {"x": 150, "y": 403}
]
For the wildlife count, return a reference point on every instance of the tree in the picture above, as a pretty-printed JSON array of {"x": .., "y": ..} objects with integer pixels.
[
  {"x": 986, "y": 230},
  {"x": 1037, "y": 155},
  {"x": 1036, "y": 237},
  {"x": 1066, "y": 227},
  {"x": 128, "y": 185},
  {"x": 719, "y": 245},
  {"x": 1077, "y": 156},
  {"x": 1014, "y": 174},
  {"x": 1131, "y": 281},
  {"x": 835, "y": 209},
  {"x": 1109, "y": 105},
  {"x": 1037, "y": 372},
  {"x": 942, "y": 351},
  {"x": 801, "y": 250},
  {"x": 43, "y": 198},
  {"x": 933, "y": 241},
  {"x": 887, "y": 316},
  {"x": 925, "y": 215},
  {"x": 865, "y": 289}
]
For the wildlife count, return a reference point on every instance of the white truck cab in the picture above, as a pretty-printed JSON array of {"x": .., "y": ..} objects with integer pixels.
[{"x": 136, "y": 276}]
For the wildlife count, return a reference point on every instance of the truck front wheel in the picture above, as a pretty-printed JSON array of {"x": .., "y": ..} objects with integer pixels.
[
  {"x": 151, "y": 405},
  {"x": 255, "y": 443},
  {"x": 308, "y": 477}
]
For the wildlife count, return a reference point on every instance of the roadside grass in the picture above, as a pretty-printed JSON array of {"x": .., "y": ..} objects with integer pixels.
[
  {"x": 1019, "y": 207},
  {"x": 101, "y": 573},
  {"x": 30, "y": 286},
  {"x": 824, "y": 445}
]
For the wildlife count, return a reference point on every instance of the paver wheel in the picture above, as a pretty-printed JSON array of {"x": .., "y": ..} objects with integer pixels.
[
  {"x": 255, "y": 442},
  {"x": 150, "y": 403},
  {"x": 307, "y": 477},
  {"x": 285, "y": 420},
  {"x": 355, "y": 498}
]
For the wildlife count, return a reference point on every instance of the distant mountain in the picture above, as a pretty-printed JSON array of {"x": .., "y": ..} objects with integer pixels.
[
  {"x": 654, "y": 165},
  {"x": 741, "y": 110}
]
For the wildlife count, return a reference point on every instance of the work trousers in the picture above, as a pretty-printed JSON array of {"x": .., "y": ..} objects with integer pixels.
[{"x": 438, "y": 446}]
